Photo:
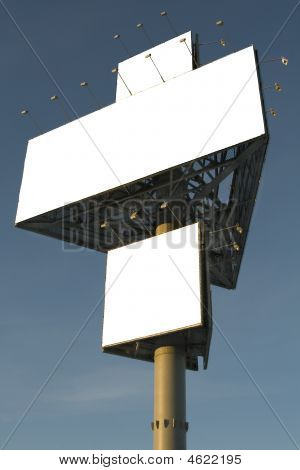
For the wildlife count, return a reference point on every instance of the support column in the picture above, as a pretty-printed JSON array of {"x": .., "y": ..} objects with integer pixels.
[{"x": 169, "y": 424}]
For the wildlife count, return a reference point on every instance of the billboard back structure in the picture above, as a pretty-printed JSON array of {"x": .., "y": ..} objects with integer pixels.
[{"x": 157, "y": 137}]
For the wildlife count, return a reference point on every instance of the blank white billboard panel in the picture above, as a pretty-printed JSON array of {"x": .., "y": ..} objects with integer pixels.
[
  {"x": 197, "y": 113},
  {"x": 149, "y": 287},
  {"x": 172, "y": 58}
]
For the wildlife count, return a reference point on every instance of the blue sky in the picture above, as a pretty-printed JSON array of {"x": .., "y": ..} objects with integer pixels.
[{"x": 105, "y": 402}]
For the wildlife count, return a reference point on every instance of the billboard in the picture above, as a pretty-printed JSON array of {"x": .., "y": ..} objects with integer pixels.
[
  {"x": 154, "y": 287},
  {"x": 192, "y": 115},
  {"x": 172, "y": 58}
]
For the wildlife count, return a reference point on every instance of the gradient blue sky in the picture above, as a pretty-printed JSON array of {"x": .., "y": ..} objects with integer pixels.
[{"x": 98, "y": 401}]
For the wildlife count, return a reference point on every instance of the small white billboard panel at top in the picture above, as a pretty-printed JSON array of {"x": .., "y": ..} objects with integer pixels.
[
  {"x": 202, "y": 111},
  {"x": 152, "y": 287},
  {"x": 151, "y": 67}
]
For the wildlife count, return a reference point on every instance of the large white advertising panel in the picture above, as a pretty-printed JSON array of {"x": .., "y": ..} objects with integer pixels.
[
  {"x": 168, "y": 60},
  {"x": 197, "y": 113},
  {"x": 152, "y": 287}
]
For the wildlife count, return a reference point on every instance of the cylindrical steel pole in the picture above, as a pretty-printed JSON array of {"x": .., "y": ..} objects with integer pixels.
[{"x": 169, "y": 424}]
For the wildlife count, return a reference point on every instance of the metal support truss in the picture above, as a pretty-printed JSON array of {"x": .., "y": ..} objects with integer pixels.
[{"x": 219, "y": 189}]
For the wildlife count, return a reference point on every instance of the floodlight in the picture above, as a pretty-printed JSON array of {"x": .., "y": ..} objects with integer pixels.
[
  {"x": 104, "y": 225},
  {"x": 273, "y": 112},
  {"x": 182, "y": 40},
  {"x": 82, "y": 84},
  {"x": 141, "y": 27},
  {"x": 53, "y": 98},
  {"x": 222, "y": 42},
  {"x": 277, "y": 87},
  {"x": 118, "y": 36},
  {"x": 149, "y": 56},
  {"x": 239, "y": 229},
  {"x": 116, "y": 70},
  {"x": 236, "y": 247},
  {"x": 165, "y": 14},
  {"x": 25, "y": 112},
  {"x": 283, "y": 60},
  {"x": 164, "y": 205},
  {"x": 219, "y": 23},
  {"x": 134, "y": 215}
]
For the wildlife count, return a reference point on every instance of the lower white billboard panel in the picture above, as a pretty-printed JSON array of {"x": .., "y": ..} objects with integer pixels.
[{"x": 153, "y": 287}]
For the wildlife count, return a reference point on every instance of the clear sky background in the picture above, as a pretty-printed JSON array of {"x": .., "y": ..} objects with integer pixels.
[{"x": 98, "y": 401}]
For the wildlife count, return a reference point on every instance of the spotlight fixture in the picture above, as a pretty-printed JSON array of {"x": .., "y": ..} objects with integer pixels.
[
  {"x": 222, "y": 42},
  {"x": 219, "y": 23},
  {"x": 53, "y": 98},
  {"x": 116, "y": 70},
  {"x": 236, "y": 247},
  {"x": 283, "y": 60},
  {"x": 86, "y": 85},
  {"x": 273, "y": 112},
  {"x": 118, "y": 36},
  {"x": 239, "y": 229},
  {"x": 149, "y": 56},
  {"x": 141, "y": 27},
  {"x": 277, "y": 87},
  {"x": 134, "y": 215},
  {"x": 25, "y": 112},
  {"x": 165, "y": 14}
]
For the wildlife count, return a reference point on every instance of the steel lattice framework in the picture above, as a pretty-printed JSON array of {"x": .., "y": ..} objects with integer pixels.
[
  {"x": 190, "y": 193},
  {"x": 218, "y": 189}
]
